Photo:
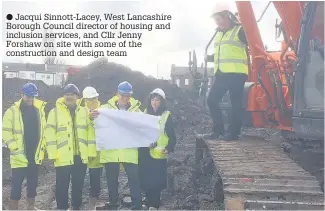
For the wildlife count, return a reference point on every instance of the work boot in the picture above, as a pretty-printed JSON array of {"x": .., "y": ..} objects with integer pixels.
[
  {"x": 108, "y": 206},
  {"x": 13, "y": 204},
  {"x": 228, "y": 137},
  {"x": 31, "y": 204},
  {"x": 133, "y": 207},
  {"x": 213, "y": 135},
  {"x": 92, "y": 203}
]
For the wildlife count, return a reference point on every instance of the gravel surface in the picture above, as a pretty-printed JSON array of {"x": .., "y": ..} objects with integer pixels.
[{"x": 185, "y": 191}]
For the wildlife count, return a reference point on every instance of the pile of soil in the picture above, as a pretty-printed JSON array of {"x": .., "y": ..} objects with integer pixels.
[
  {"x": 105, "y": 77},
  {"x": 188, "y": 117},
  {"x": 185, "y": 190},
  {"x": 12, "y": 87}
]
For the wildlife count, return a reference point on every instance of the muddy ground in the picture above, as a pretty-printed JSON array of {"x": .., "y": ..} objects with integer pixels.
[{"x": 184, "y": 191}]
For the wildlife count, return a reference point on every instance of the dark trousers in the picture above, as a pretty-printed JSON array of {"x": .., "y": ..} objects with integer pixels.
[
  {"x": 18, "y": 176},
  {"x": 78, "y": 172},
  {"x": 112, "y": 173},
  {"x": 153, "y": 197},
  {"x": 234, "y": 83},
  {"x": 95, "y": 179}
]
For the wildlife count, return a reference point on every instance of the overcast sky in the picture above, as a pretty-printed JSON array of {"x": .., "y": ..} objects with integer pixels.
[{"x": 191, "y": 28}]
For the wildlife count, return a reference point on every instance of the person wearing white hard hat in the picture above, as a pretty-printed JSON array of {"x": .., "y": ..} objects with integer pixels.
[
  {"x": 90, "y": 101},
  {"x": 230, "y": 69},
  {"x": 153, "y": 159}
]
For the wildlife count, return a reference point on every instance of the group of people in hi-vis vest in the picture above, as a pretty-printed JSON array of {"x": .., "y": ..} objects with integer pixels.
[{"x": 67, "y": 136}]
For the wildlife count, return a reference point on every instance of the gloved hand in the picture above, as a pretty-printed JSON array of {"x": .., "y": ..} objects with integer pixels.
[{"x": 153, "y": 145}]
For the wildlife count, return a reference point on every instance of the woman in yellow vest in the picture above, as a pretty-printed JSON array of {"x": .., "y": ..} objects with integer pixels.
[
  {"x": 153, "y": 160},
  {"x": 230, "y": 69},
  {"x": 90, "y": 101}
]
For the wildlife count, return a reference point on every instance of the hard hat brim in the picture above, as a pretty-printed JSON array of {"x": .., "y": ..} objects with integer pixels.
[
  {"x": 156, "y": 93},
  {"x": 123, "y": 92},
  {"x": 215, "y": 14},
  {"x": 35, "y": 94},
  {"x": 92, "y": 96}
]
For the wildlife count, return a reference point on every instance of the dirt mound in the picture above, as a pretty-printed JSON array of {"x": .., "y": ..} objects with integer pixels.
[
  {"x": 11, "y": 91},
  {"x": 105, "y": 77},
  {"x": 188, "y": 116}
]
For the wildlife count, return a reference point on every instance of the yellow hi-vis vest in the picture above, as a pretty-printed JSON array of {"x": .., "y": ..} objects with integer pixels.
[
  {"x": 61, "y": 133},
  {"x": 230, "y": 53},
  {"x": 95, "y": 162},
  {"x": 13, "y": 134},
  {"x": 163, "y": 139},
  {"x": 120, "y": 155}
]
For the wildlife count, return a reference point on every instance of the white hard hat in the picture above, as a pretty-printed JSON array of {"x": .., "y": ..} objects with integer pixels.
[
  {"x": 89, "y": 92},
  {"x": 159, "y": 92},
  {"x": 220, "y": 7}
]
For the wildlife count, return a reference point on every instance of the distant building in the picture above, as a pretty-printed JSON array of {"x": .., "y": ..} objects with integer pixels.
[
  {"x": 182, "y": 77},
  {"x": 50, "y": 74}
]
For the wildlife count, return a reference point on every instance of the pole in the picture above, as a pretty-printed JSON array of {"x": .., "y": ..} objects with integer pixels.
[{"x": 205, "y": 78}]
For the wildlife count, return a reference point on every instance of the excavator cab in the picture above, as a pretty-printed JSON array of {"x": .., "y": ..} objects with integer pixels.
[{"x": 308, "y": 105}]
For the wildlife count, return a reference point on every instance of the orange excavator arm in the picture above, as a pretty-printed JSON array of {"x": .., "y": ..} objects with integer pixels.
[{"x": 268, "y": 100}]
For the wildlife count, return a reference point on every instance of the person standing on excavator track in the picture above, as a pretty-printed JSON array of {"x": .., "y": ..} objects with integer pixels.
[
  {"x": 90, "y": 101},
  {"x": 70, "y": 145},
  {"x": 231, "y": 71},
  {"x": 128, "y": 157},
  {"x": 23, "y": 127}
]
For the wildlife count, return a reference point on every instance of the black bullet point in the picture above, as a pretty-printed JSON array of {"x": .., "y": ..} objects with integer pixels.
[{"x": 9, "y": 17}]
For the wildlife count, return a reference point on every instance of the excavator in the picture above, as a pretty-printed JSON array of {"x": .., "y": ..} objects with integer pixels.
[{"x": 284, "y": 91}]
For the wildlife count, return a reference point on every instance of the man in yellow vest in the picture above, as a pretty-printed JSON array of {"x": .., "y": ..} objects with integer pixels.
[
  {"x": 231, "y": 71},
  {"x": 128, "y": 157},
  {"x": 90, "y": 101},
  {"x": 70, "y": 146},
  {"x": 23, "y": 128}
]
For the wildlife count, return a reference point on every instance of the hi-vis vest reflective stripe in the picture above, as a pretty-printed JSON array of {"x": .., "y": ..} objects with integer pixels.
[
  {"x": 163, "y": 138},
  {"x": 92, "y": 136},
  {"x": 62, "y": 133},
  {"x": 13, "y": 134},
  {"x": 230, "y": 53},
  {"x": 120, "y": 155}
]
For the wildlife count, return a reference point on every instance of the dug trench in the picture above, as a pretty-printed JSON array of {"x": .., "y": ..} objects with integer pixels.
[{"x": 187, "y": 189}]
